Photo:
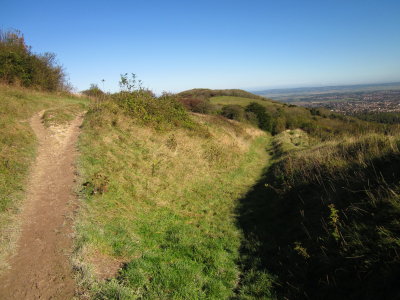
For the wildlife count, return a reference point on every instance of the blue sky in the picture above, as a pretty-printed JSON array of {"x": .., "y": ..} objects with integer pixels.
[{"x": 178, "y": 45}]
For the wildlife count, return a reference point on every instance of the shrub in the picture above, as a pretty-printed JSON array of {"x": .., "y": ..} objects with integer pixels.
[
  {"x": 93, "y": 91},
  {"x": 264, "y": 119},
  {"x": 233, "y": 112},
  {"x": 197, "y": 104},
  {"x": 279, "y": 125},
  {"x": 251, "y": 118},
  {"x": 18, "y": 65},
  {"x": 164, "y": 112}
]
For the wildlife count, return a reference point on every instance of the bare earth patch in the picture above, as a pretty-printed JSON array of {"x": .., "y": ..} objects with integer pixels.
[
  {"x": 40, "y": 268},
  {"x": 104, "y": 266}
]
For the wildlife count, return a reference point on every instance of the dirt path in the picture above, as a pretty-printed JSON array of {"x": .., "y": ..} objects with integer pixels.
[{"x": 40, "y": 268}]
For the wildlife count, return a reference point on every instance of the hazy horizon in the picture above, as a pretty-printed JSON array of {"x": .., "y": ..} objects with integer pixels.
[{"x": 294, "y": 87}]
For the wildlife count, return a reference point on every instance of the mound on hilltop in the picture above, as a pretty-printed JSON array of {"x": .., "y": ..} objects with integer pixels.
[{"x": 209, "y": 93}]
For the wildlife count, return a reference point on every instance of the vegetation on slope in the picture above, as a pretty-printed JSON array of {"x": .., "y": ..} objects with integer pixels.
[
  {"x": 320, "y": 123},
  {"x": 381, "y": 117},
  {"x": 159, "y": 188},
  {"x": 324, "y": 221},
  {"x": 237, "y": 104},
  {"x": 17, "y": 148},
  {"x": 198, "y": 100}
]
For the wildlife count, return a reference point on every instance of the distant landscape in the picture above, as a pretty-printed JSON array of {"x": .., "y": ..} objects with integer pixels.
[{"x": 348, "y": 99}]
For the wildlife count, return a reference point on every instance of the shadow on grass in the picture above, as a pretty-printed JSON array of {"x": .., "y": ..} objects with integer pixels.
[{"x": 290, "y": 249}]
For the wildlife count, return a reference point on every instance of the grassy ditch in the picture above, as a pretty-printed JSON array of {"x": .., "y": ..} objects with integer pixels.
[
  {"x": 17, "y": 151},
  {"x": 159, "y": 201}
]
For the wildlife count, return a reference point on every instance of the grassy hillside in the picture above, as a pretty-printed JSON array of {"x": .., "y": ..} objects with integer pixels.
[
  {"x": 319, "y": 123},
  {"x": 17, "y": 149},
  {"x": 159, "y": 197}
]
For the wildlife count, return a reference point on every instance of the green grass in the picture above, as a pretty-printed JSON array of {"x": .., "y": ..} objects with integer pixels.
[
  {"x": 163, "y": 203},
  {"x": 17, "y": 150}
]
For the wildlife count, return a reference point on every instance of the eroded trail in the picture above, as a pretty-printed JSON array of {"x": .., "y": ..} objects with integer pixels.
[{"x": 40, "y": 268}]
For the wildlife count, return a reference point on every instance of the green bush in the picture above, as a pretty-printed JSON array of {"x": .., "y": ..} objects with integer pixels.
[
  {"x": 162, "y": 113},
  {"x": 279, "y": 125},
  {"x": 93, "y": 91},
  {"x": 233, "y": 112},
  {"x": 251, "y": 118},
  {"x": 19, "y": 65},
  {"x": 265, "y": 121},
  {"x": 197, "y": 105}
]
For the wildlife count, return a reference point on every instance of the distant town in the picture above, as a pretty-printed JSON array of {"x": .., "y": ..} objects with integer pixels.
[
  {"x": 354, "y": 103},
  {"x": 350, "y": 101}
]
